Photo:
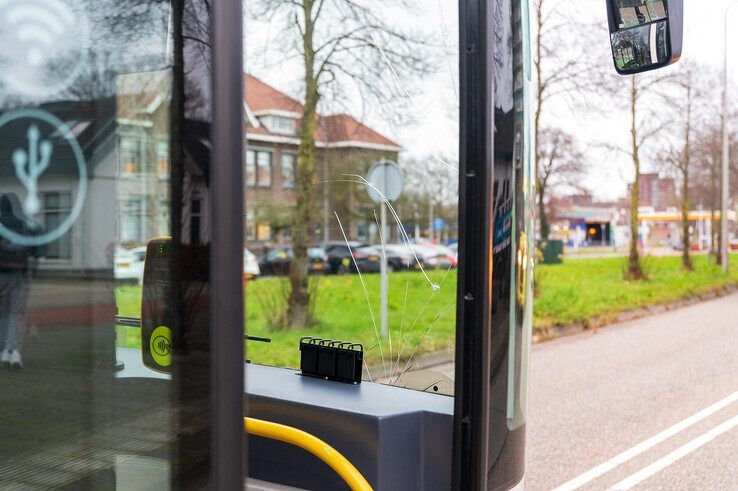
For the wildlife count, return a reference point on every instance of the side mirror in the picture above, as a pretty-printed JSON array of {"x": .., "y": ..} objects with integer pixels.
[{"x": 645, "y": 34}]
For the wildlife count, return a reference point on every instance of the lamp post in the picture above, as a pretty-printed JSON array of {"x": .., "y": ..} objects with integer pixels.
[{"x": 726, "y": 154}]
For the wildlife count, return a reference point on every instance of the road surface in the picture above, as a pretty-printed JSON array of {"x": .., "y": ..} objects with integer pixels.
[{"x": 646, "y": 404}]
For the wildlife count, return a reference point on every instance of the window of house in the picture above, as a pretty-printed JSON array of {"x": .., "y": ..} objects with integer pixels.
[
  {"x": 129, "y": 219},
  {"x": 251, "y": 168},
  {"x": 264, "y": 169},
  {"x": 130, "y": 156},
  {"x": 288, "y": 170},
  {"x": 162, "y": 217},
  {"x": 57, "y": 206},
  {"x": 263, "y": 232},
  {"x": 162, "y": 159},
  {"x": 282, "y": 125},
  {"x": 259, "y": 168},
  {"x": 250, "y": 226}
]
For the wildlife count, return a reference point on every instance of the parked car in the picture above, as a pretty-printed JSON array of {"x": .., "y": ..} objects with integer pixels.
[
  {"x": 340, "y": 262},
  {"x": 399, "y": 256},
  {"x": 251, "y": 268},
  {"x": 436, "y": 256},
  {"x": 129, "y": 264},
  {"x": 277, "y": 261}
]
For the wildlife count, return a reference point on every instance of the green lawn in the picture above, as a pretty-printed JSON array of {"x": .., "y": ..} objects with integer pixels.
[
  {"x": 581, "y": 289},
  {"x": 575, "y": 291}
]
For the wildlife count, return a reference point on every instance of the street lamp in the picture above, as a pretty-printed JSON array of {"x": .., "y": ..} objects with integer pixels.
[{"x": 726, "y": 154}]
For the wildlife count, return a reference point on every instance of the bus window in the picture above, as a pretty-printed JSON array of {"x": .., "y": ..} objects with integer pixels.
[{"x": 352, "y": 178}]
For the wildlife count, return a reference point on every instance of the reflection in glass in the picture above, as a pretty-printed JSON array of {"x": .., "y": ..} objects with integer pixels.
[
  {"x": 103, "y": 147},
  {"x": 640, "y": 47},
  {"x": 635, "y": 12}
]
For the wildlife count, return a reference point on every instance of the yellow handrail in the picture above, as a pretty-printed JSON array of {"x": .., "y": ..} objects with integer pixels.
[{"x": 312, "y": 444}]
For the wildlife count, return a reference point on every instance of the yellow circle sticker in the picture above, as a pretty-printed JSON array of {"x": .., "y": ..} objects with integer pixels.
[{"x": 160, "y": 345}]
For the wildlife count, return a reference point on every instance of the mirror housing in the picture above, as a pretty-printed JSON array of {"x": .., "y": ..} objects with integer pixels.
[{"x": 645, "y": 34}]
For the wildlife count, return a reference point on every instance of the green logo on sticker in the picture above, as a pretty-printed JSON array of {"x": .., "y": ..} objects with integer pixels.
[{"x": 160, "y": 345}]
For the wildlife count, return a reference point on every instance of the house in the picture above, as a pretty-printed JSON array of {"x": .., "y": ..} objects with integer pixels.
[{"x": 344, "y": 147}]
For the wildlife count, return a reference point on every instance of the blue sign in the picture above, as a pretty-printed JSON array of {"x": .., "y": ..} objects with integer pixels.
[{"x": 438, "y": 224}]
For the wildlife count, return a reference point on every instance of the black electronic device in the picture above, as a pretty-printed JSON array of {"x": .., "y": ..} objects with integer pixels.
[{"x": 332, "y": 360}]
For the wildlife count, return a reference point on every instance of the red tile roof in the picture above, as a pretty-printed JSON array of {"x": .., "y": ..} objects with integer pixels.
[
  {"x": 331, "y": 129},
  {"x": 342, "y": 127},
  {"x": 261, "y": 96}
]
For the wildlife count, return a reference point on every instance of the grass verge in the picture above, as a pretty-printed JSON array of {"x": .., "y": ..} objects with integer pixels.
[{"x": 574, "y": 292}]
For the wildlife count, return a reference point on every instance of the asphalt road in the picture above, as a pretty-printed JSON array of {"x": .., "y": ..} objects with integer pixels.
[{"x": 648, "y": 404}]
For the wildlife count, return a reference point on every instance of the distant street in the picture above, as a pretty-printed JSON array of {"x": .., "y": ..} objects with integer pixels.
[{"x": 648, "y": 404}]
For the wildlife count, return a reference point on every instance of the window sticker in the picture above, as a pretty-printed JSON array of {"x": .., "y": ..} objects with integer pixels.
[
  {"x": 44, "y": 46},
  {"x": 32, "y": 157}
]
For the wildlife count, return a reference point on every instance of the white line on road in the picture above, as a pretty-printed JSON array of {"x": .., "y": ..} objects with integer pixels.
[
  {"x": 677, "y": 454},
  {"x": 645, "y": 445}
]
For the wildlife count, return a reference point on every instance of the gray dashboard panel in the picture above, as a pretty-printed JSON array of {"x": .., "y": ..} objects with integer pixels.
[{"x": 398, "y": 438}]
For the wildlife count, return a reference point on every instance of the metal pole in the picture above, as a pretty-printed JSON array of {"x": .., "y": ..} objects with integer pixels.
[
  {"x": 383, "y": 272},
  {"x": 431, "y": 230},
  {"x": 726, "y": 155},
  {"x": 227, "y": 456}
]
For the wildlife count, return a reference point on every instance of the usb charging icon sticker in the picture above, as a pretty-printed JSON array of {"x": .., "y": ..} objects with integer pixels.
[
  {"x": 29, "y": 166},
  {"x": 33, "y": 157}
]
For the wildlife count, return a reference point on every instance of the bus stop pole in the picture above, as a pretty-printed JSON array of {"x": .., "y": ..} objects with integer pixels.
[{"x": 384, "y": 317}]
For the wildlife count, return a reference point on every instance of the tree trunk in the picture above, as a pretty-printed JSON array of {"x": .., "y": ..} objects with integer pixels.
[
  {"x": 543, "y": 219},
  {"x": 713, "y": 218},
  {"x": 635, "y": 271},
  {"x": 686, "y": 259},
  {"x": 298, "y": 312},
  {"x": 542, "y": 215}
]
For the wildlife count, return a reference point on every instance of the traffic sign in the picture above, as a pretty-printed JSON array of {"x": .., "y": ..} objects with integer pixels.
[{"x": 387, "y": 177}]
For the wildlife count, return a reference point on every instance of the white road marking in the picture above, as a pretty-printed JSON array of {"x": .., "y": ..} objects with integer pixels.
[
  {"x": 645, "y": 445},
  {"x": 677, "y": 454}
]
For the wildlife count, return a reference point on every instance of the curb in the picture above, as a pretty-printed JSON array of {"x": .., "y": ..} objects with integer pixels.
[
  {"x": 595, "y": 323},
  {"x": 431, "y": 360}
]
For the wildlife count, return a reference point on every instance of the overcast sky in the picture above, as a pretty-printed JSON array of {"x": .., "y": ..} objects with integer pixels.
[{"x": 434, "y": 101}]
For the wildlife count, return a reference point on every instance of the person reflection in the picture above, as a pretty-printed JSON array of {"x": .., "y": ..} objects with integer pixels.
[{"x": 14, "y": 282}]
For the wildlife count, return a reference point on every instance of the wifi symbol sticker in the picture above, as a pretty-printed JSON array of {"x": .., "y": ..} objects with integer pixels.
[
  {"x": 43, "y": 45},
  {"x": 160, "y": 346}
]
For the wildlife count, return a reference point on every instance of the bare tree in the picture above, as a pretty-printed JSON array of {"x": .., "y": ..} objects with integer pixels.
[
  {"x": 706, "y": 178},
  {"x": 430, "y": 189},
  {"x": 561, "y": 164},
  {"x": 694, "y": 108},
  {"x": 340, "y": 43},
  {"x": 647, "y": 121},
  {"x": 682, "y": 161}
]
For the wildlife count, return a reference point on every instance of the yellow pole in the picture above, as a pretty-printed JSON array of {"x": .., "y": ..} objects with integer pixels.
[{"x": 312, "y": 444}]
